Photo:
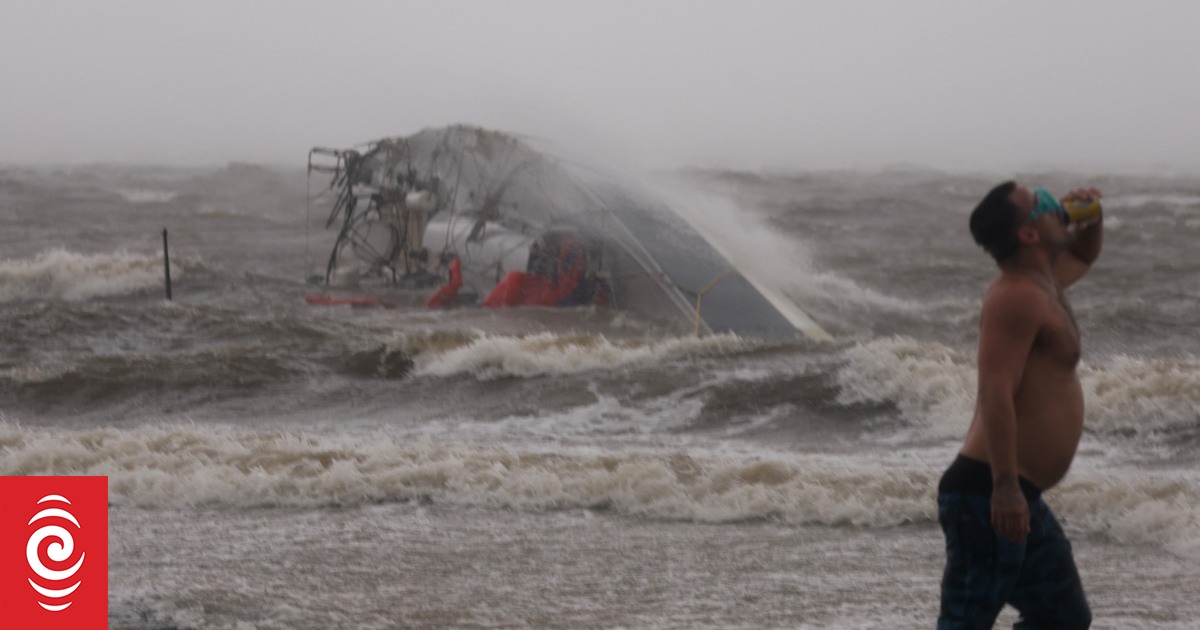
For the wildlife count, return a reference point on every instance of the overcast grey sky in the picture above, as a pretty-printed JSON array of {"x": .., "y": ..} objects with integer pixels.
[{"x": 1101, "y": 83}]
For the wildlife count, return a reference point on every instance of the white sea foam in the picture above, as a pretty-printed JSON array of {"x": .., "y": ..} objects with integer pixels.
[
  {"x": 933, "y": 386},
  {"x": 58, "y": 273},
  {"x": 191, "y": 465},
  {"x": 1172, "y": 201},
  {"x": 142, "y": 195},
  {"x": 179, "y": 466},
  {"x": 30, "y": 374},
  {"x": 495, "y": 356},
  {"x": 220, "y": 211},
  {"x": 608, "y": 418},
  {"x": 1125, "y": 393},
  {"x": 1160, "y": 507}
]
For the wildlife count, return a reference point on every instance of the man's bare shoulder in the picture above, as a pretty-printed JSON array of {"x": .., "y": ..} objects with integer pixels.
[
  {"x": 1014, "y": 296},
  {"x": 1012, "y": 287}
]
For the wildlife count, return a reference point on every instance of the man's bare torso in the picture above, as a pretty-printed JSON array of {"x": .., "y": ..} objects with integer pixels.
[{"x": 1049, "y": 399}]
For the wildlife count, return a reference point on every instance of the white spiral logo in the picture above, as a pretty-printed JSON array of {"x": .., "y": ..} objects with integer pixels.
[{"x": 59, "y": 551}]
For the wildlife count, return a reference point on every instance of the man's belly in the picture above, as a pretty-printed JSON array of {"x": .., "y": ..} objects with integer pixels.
[{"x": 1049, "y": 425}]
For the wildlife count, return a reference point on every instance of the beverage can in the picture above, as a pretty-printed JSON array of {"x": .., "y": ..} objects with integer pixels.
[{"x": 1082, "y": 209}]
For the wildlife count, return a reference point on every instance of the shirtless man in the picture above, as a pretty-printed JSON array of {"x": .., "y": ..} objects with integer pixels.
[{"x": 1003, "y": 545}]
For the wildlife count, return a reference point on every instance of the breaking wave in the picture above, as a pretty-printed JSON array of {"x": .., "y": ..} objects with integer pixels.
[
  {"x": 498, "y": 356},
  {"x": 1175, "y": 202},
  {"x": 177, "y": 466},
  {"x": 1138, "y": 395},
  {"x": 209, "y": 466},
  {"x": 61, "y": 274},
  {"x": 933, "y": 386}
]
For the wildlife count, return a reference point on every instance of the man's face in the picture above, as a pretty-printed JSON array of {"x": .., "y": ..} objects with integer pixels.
[{"x": 1049, "y": 226}]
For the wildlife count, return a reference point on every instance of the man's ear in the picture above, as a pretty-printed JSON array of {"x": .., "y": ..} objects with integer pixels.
[{"x": 1028, "y": 235}]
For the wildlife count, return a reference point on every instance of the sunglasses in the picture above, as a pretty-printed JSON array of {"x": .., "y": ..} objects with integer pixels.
[{"x": 1045, "y": 203}]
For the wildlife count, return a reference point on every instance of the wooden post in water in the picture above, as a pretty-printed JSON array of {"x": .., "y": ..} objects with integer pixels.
[{"x": 166, "y": 263}]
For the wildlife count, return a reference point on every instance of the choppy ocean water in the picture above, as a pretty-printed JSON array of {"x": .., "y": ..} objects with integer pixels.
[{"x": 276, "y": 465}]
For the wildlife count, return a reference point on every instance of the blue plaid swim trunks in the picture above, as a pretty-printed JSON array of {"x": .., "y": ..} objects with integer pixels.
[{"x": 984, "y": 570}]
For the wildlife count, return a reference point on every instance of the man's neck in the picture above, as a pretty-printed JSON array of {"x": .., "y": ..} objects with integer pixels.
[{"x": 1033, "y": 264}]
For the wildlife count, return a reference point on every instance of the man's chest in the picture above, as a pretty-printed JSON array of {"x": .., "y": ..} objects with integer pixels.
[{"x": 1058, "y": 338}]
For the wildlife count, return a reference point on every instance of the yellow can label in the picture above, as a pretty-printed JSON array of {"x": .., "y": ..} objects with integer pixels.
[{"x": 1082, "y": 210}]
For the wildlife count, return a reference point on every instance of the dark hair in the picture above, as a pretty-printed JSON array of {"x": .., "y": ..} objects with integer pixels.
[{"x": 994, "y": 222}]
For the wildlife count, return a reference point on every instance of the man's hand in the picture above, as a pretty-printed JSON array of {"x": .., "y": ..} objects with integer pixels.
[
  {"x": 1010, "y": 513},
  {"x": 1082, "y": 194},
  {"x": 1086, "y": 238}
]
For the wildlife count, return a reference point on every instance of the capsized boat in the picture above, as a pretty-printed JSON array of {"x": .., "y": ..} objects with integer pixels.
[{"x": 514, "y": 226}]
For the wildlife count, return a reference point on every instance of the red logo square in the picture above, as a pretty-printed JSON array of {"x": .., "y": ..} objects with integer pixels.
[{"x": 53, "y": 553}]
